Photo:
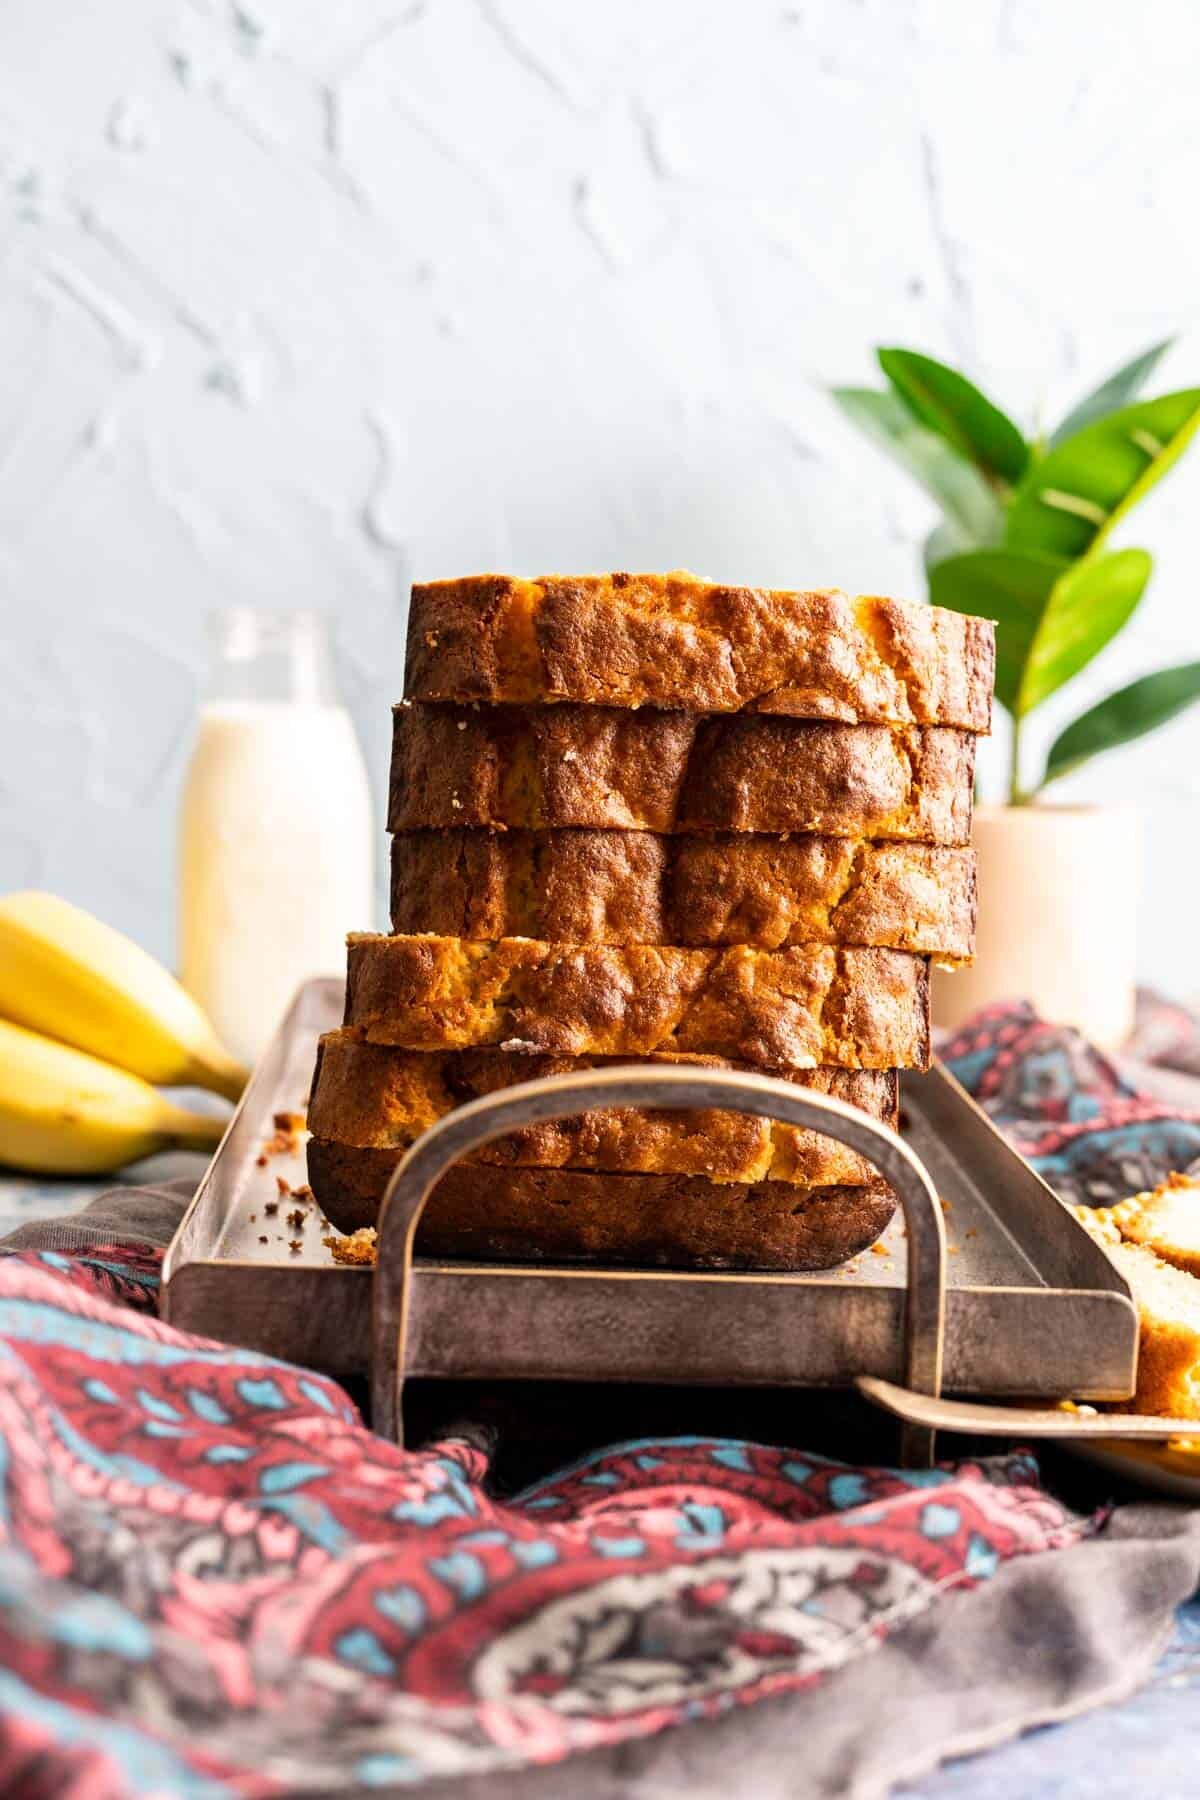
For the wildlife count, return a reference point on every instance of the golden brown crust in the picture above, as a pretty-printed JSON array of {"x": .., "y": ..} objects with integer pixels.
[
  {"x": 1165, "y": 1220},
  {"x": 673, "y": 640},
  {"x": 562, "y": 1215},
  {"x": 630, "y": 887},
  {"x": 800, "y": 1008},
  {"x": 539, "y": 768},
  {"x": 377, "y": 1097}
]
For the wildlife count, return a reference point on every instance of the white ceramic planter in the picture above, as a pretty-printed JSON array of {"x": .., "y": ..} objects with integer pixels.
[{"x": 1058, "y": 899}]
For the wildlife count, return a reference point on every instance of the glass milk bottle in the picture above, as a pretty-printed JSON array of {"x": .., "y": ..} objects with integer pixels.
[{"x": 276, "y": 841}]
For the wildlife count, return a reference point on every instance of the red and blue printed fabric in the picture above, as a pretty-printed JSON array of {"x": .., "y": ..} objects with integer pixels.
[
  {"x": 1068, "y": 1108},
  {"x": 214, "y": 1579}
]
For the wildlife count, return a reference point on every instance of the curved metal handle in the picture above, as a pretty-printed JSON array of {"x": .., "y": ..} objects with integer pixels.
[{"x": 660, "y": 1085}]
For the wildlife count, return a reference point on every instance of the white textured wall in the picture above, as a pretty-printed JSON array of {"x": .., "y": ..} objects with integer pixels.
[{"x": 297, "y": 297}]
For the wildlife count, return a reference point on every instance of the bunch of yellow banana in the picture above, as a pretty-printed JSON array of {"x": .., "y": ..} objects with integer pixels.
[{"x": 88, "y": 1025}]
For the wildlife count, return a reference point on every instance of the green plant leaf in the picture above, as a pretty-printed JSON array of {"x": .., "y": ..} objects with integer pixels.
[
  {"x": 1085, "y": 609},
  {"x": 1071, "y": 499},
  {"x": 1129, "y": 713},
  {"x": 1120, "y": 388},
  {"x": 957, "y": 486},
  {"x": 953, "y": 407},
  {"x": 1009, "y": 587},
  {"x": 1052, "y": 616}
]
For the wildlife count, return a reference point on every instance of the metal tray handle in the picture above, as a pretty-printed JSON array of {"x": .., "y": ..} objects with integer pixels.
[{"x": 674, "y": 1087}]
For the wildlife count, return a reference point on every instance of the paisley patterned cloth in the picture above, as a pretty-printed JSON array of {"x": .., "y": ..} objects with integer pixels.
[
  {"x": 215, "y": 1579},
  {"x": 1082, "y": 1123},
  {"x": 212, "y": 1573}
]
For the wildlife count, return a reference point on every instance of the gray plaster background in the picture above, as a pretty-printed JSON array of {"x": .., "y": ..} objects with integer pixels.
[{"x": 297, "y": 298}]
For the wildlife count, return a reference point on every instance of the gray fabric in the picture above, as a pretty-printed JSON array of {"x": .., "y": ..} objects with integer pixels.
[
  {"x": 145, "y": 1215},
  {"x": 1047, "y": 1638}
]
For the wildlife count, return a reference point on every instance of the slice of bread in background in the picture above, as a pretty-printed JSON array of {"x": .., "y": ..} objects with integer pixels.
[
  {"x": 1165, "y": 1220},
  {"x": 1168, "y": 1307}
]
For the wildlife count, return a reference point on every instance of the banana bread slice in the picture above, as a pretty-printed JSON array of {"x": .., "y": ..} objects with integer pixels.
[
  {"x": 674, "y": 640},
  {"x": 568, "y": 1215},
  {"x": 799, "y": 1008},
  {"x": 377, "y": 1097},
  {"x": 551, "y": 766},
  {"x": 1167, "y": 1299},
  {"x": 637, "y": 887},
  {"x": 1165, "y": 1220}
]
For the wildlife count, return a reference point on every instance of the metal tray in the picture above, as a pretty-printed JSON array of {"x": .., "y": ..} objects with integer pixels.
[{"x": 1011, "y": 1295}]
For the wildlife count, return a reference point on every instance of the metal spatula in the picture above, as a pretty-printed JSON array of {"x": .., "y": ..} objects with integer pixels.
[{"x": 982, "y": 1419}]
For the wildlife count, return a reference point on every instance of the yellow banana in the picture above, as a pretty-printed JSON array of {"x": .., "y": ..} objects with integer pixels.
[
  {"x": 64, "y": 1113},
  {"x": 67, "y": 975}
]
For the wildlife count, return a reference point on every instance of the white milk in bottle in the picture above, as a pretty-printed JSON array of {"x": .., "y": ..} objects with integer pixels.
[{"x": 276, "y": 859}]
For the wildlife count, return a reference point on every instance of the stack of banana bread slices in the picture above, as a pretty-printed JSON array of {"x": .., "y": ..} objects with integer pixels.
[{"x": 647, "y": 818}]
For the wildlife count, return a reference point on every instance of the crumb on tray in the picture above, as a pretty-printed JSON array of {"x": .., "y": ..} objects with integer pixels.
[
  {"x": 358, "y": 1247},
  {"x": 286, "y": 1136}
]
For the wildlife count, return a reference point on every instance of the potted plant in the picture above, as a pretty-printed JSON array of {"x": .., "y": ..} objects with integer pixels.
[{"x": 1024, "y": 539}]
